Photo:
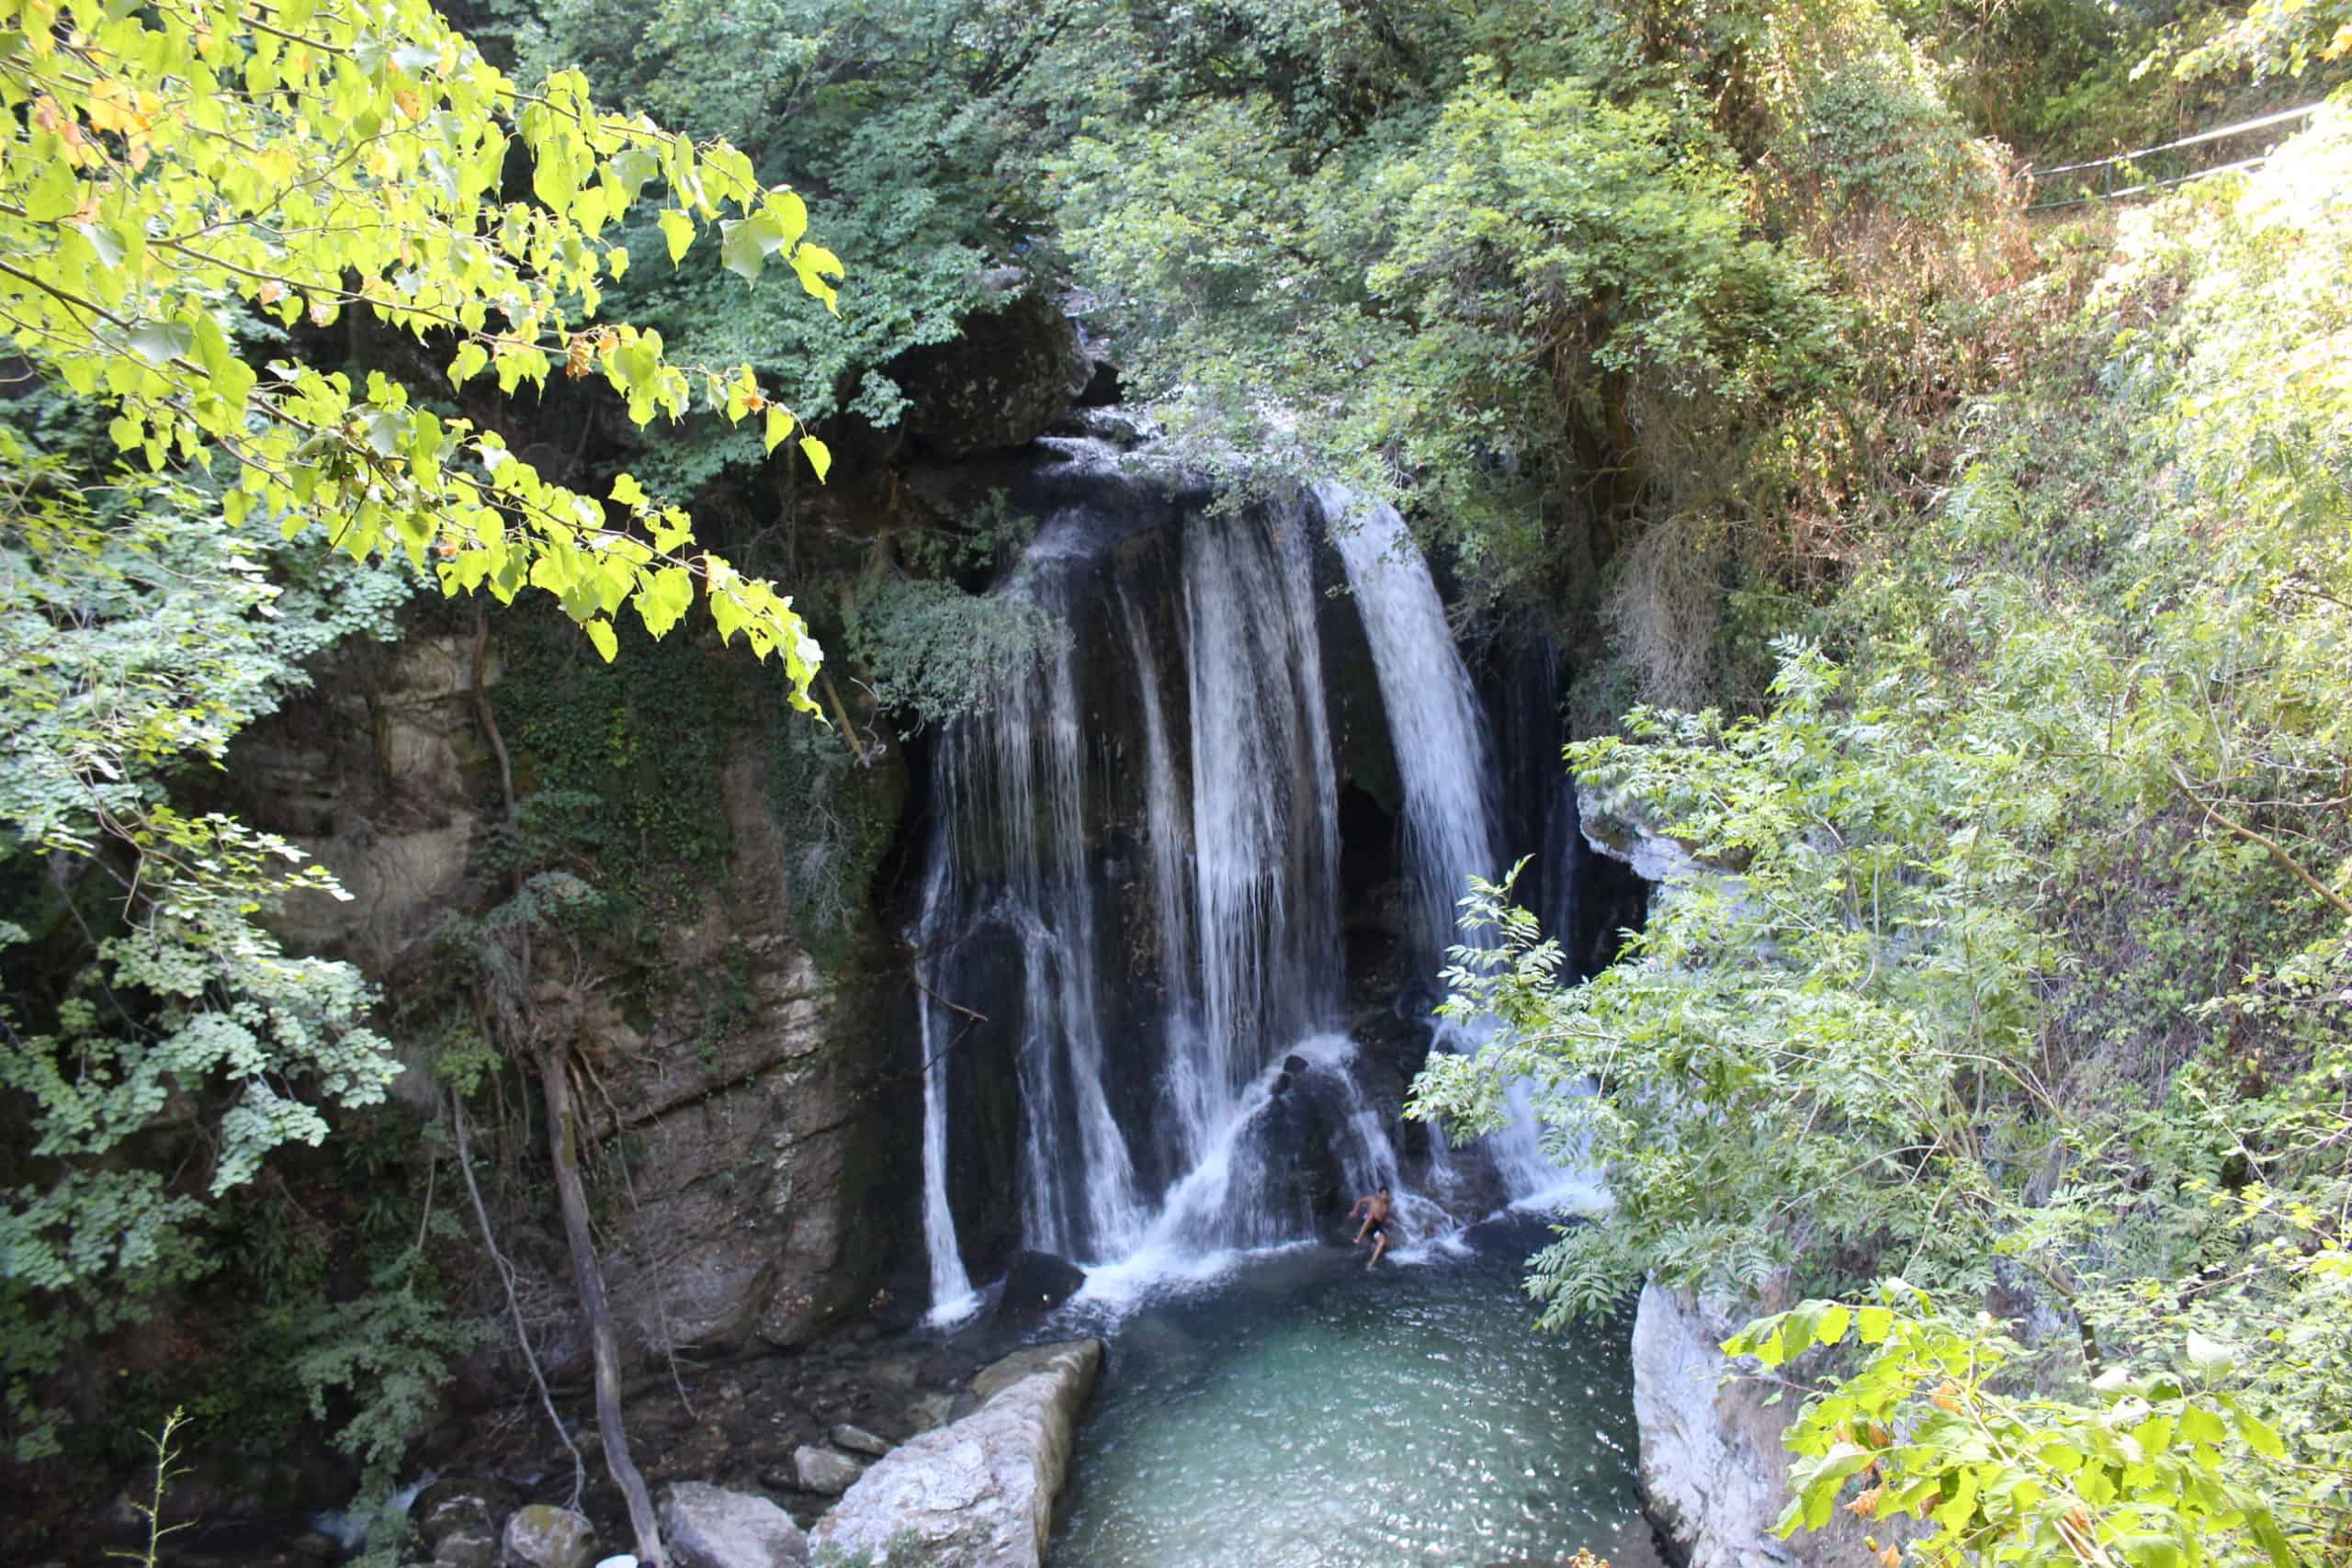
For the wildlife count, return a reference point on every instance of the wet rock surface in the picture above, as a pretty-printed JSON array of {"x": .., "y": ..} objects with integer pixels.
[
  {"x": 1036, "y": 1282},
  {"x": 1014, "y": 368}
]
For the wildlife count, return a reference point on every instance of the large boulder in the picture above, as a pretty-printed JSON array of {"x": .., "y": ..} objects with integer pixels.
[
  {"x": 979, "y": 1492},
  {"x": 543, "y": 1535},
  {"x": 707, "y": 1527},
  {"x": 1011, "y": 371},
  {"x": 1036, "y": 1282},
  {"x": 1714, "y": 1472}
]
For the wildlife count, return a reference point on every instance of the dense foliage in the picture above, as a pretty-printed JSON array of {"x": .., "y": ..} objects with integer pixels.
[
  {"x": 2011, "y": 950},
  {"x": 186, "y": 188},
  {"x": 1717, "y": 339}
]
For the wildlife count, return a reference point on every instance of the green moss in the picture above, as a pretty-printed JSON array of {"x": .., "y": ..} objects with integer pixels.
[{"x": 839, "y": 818}]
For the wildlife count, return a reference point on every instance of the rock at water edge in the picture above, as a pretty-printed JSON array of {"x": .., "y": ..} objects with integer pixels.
[
  {"x": 543, "y": 1535},
  {"x": 466, "y": 1546},
  {"x": 822, "y": 1470},
  {"x": 1714, "y": 1475},
  {"x": 709, "y": 1527},
  {"x": 1036, "y": 1282},
  {"x": 979, "y": 1492}
]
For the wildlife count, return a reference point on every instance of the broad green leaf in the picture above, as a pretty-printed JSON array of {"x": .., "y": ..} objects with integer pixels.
[
  {"x": 744, "y": 244},
  {"x": 159, "y": 343},
  {"x": 820, "y": 457},
  {"x": 2260, "y": 1436},
  {"x": 2211, "y": 1359}
]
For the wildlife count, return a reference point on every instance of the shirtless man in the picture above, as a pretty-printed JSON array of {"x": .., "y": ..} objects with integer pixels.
[{"x": 1375, "y": 1208}]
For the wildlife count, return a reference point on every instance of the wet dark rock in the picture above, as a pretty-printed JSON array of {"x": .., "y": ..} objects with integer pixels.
[
  {"x": 1036, "y": 1282},
  {"x": 461, "y": 1505},
  {"x": 1295, "y": 1065},
  {"x": 468, "y": 1546},
  {"x": 1011, "y": 371}
]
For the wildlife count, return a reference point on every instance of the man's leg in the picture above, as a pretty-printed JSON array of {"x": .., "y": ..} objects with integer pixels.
[{"x": 1379, "y": 1245}]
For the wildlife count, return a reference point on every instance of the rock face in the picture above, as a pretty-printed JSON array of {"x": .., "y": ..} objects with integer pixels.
[
  {"x": 371, "y": 778},
  {"x": 1038, "y": 1282},
  {"x": 1012, "y": 370},
  {"x": 543, "y": 1535},
  {"x": 707, "y": 1527},
  {"x": 979, "y": 1492},
  {"x": 754, "y": 1151},
  {"x": 1714, "y": 1472}
]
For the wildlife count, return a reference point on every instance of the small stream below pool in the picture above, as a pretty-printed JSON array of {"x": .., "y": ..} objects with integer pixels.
[{"x": 1300, "y": 1412}]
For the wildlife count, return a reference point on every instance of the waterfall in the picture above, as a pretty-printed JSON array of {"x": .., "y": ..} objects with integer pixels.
[
  {"x": 1011, "y": 858},
  {"x": 1265, "y": 810},
  {"x": 1449, "y": 775},
  {"x": 1131, "y": 909},
  {"x": 1433, "y": 719},
  {"x": 950, "y": 1287}
]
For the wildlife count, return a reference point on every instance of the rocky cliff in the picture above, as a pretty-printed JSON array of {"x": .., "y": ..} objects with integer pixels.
[{"x": 740, "y": 1087}]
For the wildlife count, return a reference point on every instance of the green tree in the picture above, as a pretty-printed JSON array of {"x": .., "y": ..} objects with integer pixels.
[
  {"x": 184, "y": 184},
  {"x": 2012, "y": 952},
  {"x": 172, "y": 168}
]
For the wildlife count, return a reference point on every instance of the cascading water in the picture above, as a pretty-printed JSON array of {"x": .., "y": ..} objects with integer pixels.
[
  {"x": 1010, "y": 859},
  {"x": 1433, "y": 720},
  {"x": 1134, "y": 886},
  {"x": 1449, "y": 777},
  {"x": 950, "y": 1287}
]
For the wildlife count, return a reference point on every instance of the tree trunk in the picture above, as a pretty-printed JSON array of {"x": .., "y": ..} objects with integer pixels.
[{"x": 563, "y": 1142}]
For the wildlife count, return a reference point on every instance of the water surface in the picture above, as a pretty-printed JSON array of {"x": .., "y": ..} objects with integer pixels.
[{"x": 1301, "y": 1413}]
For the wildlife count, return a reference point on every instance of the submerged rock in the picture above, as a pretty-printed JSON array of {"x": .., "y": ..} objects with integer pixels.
[
  {"x": 978, "y": 1493},
  {"x": 543, "y": 1535},
  {"x": 707, "y": 1527},
  {"x": 1036, "y": 1282}
]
